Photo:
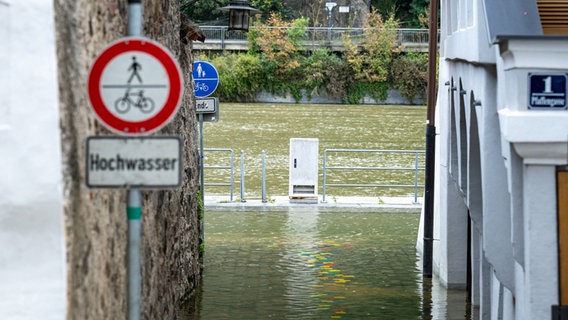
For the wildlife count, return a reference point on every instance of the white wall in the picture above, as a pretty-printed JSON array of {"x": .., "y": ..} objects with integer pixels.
[
  {"x": 32, "y": 246},
  {"x": 514, "y": 243}
]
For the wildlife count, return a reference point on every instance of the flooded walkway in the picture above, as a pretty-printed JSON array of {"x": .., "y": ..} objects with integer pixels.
[
  {"x": 283, "y": 202},
  {"x": 338, "y": 260}
]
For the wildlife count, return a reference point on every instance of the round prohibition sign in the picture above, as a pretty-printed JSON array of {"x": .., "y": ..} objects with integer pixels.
[{"x": 135, "y": 86}]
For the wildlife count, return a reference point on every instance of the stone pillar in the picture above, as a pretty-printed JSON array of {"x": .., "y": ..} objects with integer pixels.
[{"x": 96, "y": 218}]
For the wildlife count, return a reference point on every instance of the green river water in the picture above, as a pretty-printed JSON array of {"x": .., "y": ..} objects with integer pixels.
[
  {"x": 315, "y": 263},
  {"x": 253, "y": 128}
]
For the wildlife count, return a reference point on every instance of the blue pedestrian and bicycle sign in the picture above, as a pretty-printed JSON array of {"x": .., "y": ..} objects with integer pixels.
[
  {"x": 547, "y": 91},
  {"x": 205, "y": 79}
]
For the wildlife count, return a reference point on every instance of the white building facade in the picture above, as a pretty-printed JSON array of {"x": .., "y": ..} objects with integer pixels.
[
  {"x": 502, "y": 141},
  {"x": 32, "y": 242}
]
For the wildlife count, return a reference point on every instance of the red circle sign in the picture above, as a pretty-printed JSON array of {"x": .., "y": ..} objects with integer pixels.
[{"x": 135, "y": 86}]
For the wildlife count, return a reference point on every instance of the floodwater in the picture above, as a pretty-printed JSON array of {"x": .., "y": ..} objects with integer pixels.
[
  {"x": 315, "y": 263},
  {"x": 253, "y": 128},
  {"x": 310, "y": 263}
]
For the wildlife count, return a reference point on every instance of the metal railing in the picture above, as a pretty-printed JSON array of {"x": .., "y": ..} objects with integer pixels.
[
  {"x": 317, "y": 35},
  {"x": 416, "y": 168},
  {"x": 230, "y": 166},
  {"x": 417, "y": 159}
]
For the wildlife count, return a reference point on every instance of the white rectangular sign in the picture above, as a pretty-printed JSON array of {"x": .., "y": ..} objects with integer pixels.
[
  {"x": 146, "y": 162},
  {"x": 206, "y": 105}
]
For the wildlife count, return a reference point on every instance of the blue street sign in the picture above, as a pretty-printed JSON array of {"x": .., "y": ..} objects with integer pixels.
[
  {"x": 205, "y": 79},
  {"x": 547, "y": 91}
]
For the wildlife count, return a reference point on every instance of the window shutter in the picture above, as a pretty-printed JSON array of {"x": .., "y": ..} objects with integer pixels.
[{"x": 553, "y": 16}]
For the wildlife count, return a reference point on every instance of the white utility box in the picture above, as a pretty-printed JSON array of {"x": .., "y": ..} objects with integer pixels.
[{"x": 304, "y": 170}]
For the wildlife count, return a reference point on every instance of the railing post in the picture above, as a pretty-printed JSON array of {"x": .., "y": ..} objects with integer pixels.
[
  {"x": 324, "y": 176},
  {"x": 223, "y": 38},
  {"x": 243, "y": 176},
  {"x": 263, "y": 179},
  {"x": 232, "y": 187},
  {"x": 416, "y": 177}
]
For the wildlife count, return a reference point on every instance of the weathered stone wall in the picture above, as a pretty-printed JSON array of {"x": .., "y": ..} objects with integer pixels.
[{"x": 96, "y": 222}]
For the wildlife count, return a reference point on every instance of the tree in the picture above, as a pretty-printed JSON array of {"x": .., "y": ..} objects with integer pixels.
[
  {"x": 278, "y": 41},
  {"x": 408, "y": 12},
  {"x": 420, "y": 9},
  {"x": 372, "y": 62},
  {"x": 205, "y": 11},
  {"x": 410, "y": 74},
  {"x": 272, "y": 6}
]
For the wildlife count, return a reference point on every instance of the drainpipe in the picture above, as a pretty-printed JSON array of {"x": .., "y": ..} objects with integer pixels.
[{"x": 430, "y": 143}]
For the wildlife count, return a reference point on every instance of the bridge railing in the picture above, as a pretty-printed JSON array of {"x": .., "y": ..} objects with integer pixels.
[{"x": 404, "y": 35}]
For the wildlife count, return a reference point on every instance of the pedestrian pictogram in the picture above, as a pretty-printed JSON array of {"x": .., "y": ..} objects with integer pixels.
[
  {"x": 135, "y": 66},
  {"x": 135, "y": 86}
]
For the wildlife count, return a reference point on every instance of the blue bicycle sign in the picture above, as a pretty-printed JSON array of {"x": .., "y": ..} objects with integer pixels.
[{"x": 205, "y": 79}]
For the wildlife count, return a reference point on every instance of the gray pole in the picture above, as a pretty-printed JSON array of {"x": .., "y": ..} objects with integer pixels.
[
  {"x": 134, "y": 202},
  {"x": 263, "y": 181},
  {"x": 134, "y": 27},
  {"x": 201, "y": 176},
  {"x": 243, "y": 176},
  {"x": 134, "y": 213}
]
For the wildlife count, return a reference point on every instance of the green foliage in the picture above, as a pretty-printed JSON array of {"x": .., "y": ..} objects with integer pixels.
[
  {"x": 207, "y": 11},
  {"x": 406, "y": 11},
  {"x": 410, "y": 74},
  {"x": 419, "y": 7},
  {"x": 376, "y": 90},
  {"x": 372, "y": 62},
  {"x": 272, "y": 6},
  {"x": 241, "y": 76},
  {"x": 204, "y": 10},
  {"x": 277, "y": 63},
  {"x": 279, "y": 42},
  {"x": 386, "y": 7}
]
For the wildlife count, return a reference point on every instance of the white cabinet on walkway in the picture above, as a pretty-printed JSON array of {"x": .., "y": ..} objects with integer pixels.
[{"x": 304, "y": 169}]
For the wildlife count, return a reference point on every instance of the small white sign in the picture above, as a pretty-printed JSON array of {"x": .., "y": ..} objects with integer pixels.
[
  {"x": 206, "y": 105},
  {"x": 146, "y": 162},
  {"x": 344, "y": 9}
]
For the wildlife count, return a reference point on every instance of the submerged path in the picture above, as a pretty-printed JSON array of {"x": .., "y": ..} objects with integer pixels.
[{"x": 279, "y": 202}]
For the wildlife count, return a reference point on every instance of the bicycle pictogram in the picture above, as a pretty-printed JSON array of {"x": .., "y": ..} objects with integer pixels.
[
  {"x": 123, "y": 104},
  {"x": 201, "y": 86}
]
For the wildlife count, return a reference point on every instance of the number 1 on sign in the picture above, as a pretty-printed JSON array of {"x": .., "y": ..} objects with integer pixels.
[{"x": 547, "y": 84}]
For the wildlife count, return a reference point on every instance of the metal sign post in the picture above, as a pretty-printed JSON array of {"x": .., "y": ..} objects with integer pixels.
[
  {"x": 205, "y": 82},
  {"x": 207, "y": 109},
  {"x": 134, "y": 215},
  {"x": 134, "y": 201}
]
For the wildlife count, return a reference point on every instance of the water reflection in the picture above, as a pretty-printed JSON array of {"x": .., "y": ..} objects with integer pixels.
[
  {"x": 297, "y": 258},
  {"x": 309, "y": 264}
]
